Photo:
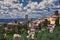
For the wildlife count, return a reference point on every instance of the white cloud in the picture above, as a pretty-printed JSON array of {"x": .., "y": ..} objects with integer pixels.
[
  {"x": 9, "y": 9},
  {"x": 7, "y": 6},
  {"x": 32, "y": 5},
  {"x": 42, "y": 4}
]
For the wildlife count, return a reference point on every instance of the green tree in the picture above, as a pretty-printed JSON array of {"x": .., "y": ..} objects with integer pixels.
[
  {"x": 46, "y": 22},
  {"x": 57, "y": 22}
]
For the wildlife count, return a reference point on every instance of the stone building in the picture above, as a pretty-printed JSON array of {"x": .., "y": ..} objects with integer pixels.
[
  {"x": 26, "y": 19},
  {"x": 16, "y": 37}
]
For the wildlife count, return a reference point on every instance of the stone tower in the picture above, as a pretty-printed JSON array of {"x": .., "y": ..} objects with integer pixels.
[{"x": 26, "y": 19}]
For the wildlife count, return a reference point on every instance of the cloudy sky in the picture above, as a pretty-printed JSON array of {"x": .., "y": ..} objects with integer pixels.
[{"x": 12, "y": 9}]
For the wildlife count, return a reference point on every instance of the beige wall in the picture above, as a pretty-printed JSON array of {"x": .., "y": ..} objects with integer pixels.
[{"x": 52, "y": 20}]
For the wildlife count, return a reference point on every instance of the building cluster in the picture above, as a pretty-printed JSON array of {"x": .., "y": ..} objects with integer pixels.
[{"x": 52, "y": 19}]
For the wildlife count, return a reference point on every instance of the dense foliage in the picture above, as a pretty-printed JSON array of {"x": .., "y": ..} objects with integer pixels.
[
  {"x": 39, "y": 34},
  {"x": 57, "y": 21}
]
